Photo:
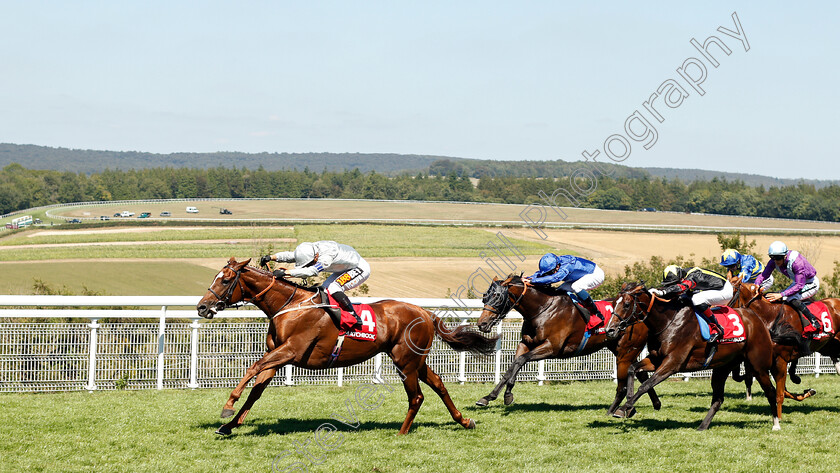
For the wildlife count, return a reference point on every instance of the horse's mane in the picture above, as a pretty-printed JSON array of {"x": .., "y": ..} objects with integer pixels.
[{"x": 263, "y": 272}]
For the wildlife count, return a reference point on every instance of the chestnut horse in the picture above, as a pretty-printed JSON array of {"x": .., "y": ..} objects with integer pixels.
[
  {"x": 676, "y": 345},
  {"x": 301, "y": 333},
  {"x": 552, "y": 327},
  {"x": 749, "y": 295}
]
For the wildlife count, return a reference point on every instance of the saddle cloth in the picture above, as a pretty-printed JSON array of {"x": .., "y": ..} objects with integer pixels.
[
  {"x": 367, "y": 332},
  {"x": 729, "y": 319},
  {"x": 820, "y": 311},
  {"x": 606, "y": 309}
]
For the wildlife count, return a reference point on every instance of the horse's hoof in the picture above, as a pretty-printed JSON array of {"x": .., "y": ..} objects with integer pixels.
[
  {"x": 470, "y": 425},
  {"x": 811, "y": 392},
  {"x": 619, "y": 413},
  {"x": 794, "y": 378},
  {"x": 223, "y": 430},
  {"x": 657, "y": 406},
  {"x": 631, "y": 412},
  {"x": 508, "y": 399},
  {"x": 482, "y": 402},
  {"x": 777, "y": 427},
  {"x": 227, "y": 413}
]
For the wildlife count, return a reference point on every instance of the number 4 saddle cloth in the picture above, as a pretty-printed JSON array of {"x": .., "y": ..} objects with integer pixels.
[
  {"x": 367, "y": 331},
  {"x": 820, "y": 311},
  {"x": 729, "y": 319}
]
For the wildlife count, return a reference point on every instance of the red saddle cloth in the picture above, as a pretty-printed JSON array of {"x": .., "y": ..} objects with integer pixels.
[
  {"x": 594, "y": 325},
  {"x": 730, "y": 320},
  {"x": 820, "y": 311},
  {"x": 367, "y": 332}
]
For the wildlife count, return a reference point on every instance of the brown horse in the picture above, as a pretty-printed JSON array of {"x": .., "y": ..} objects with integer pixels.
[
  {"x": 750, "y": 295},
  {"x": 552, "y": 327},
  {"x": 304, "y": 336},
  {"x": 676, "y": 345}
]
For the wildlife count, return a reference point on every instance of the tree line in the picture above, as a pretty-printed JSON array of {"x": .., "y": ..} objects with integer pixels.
[{"x": 22, "y": 188}]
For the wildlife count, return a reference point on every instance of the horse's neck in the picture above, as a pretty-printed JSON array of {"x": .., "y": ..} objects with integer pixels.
[
  {"x": 661, "y": 316},
  {"x": 278, "y": 295},
  {"x": 536, "y": 303}
]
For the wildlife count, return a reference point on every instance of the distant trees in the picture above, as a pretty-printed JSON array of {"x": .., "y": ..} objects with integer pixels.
[{"x": 22, "y": 188}]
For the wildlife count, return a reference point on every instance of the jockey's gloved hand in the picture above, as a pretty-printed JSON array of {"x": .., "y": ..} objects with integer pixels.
[
  {"x": 279, "y": 273},
  {"x": 675, "y": 289},
  {"x": 657, "y": 292},
  {"x": 264, "y": 260}
]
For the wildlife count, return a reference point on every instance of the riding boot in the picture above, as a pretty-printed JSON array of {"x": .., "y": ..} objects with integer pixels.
[
  {"x": 803, "y": 309},
  {"x": 592, "y": 308},
  {"x": 705, "y": 311},
  {"x": 805, "y": 342},
  {"x": 345, "y": 304}
]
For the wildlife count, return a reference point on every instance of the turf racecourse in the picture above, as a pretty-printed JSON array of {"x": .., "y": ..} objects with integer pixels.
[{"x": 558, "y": 427}]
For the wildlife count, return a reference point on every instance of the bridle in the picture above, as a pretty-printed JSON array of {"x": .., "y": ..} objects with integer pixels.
[
  {"x": 638, "y": 312},
  {"x": 497, "y": 292},
  {"x": 224, "y": 301},
  {"x": 736, "y": 293}
]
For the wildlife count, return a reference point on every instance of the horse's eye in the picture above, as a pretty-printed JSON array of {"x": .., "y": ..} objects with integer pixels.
[{"x": 225, "y": 281}]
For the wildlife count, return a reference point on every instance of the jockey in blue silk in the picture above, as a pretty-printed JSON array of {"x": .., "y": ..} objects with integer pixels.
[
  {"x": 579, "y": 275},
  {"x": 349, "y": 270},
  {"x": 745, "y": 267}
]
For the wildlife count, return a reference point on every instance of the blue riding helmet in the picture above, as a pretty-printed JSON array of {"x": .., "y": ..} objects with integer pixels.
[
  {"x": 730, "y": 257},
  {"x": 548, "y": 263}
]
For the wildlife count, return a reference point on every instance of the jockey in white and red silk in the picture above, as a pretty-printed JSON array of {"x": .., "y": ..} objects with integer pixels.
[
  {"x": 349, "y": 270},
  {"x": 707, "y": 288},
  {"x": 805, "y": 281},
  {"x": 579, "y": 275}
]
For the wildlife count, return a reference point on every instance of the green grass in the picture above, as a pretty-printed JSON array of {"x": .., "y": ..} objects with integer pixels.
[
  {"x": 407, "y": 240},
  {"x": 22, "y": 239},
  {"x": 371, "y": 240},
  {"x": 140, "y": 278},
  {"x": 560, "y": 427}
]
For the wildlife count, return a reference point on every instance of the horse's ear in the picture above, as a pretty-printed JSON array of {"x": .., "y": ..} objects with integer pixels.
[{"x": 240, "y": 264}]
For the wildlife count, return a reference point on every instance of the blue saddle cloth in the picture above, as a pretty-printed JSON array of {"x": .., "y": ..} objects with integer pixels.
[{"x": 704, "y": 327}]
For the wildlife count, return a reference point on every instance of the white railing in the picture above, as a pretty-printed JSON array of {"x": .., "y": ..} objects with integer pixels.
[{"x": 117, "y": 347}]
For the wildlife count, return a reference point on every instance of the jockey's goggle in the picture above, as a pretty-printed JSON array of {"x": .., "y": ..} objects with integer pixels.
[
  {"x": 778, "y": 257},
  {"x": 556, "y": 268},
  {"x": 314, "y": 260}
]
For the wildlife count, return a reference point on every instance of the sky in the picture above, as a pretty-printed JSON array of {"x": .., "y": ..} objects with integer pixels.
[{"x": 538, "y": 80}]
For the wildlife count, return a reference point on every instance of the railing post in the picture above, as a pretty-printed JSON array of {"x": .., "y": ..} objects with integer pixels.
[
  {"x": 498, "y": 369},
  {"x": 377, "y": 369},
  {"x": 288, "y": 381},
  {"x": 817, "y": 369},
  {"x": 193, "y": 354},
  {"x": 462, "y": 367},
  {"x": 91, "y": 385},
  {"x": 614, "y": 369},
  {"x": 340, "y": 373},
  {"x": 161, "y": 346},
  {"x": 540, "y": 372}
]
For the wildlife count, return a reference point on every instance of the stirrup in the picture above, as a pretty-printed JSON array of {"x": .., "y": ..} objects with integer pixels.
[{"x": 714, "y": 337}]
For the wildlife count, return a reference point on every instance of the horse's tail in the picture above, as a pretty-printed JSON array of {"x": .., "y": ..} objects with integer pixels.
[
  {"x": 464, "y": 338},
  {"x": 783, "y": 333}
]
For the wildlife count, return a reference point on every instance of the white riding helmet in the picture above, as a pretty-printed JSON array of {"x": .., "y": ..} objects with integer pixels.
[
  {"x": 777, "y": 248},
  {"x": 305, "y": 254}
]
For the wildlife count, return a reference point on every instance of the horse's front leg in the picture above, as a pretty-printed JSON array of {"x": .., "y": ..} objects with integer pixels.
[
  {"x": 542, "y": 351},
  {"x": 273, "y": 359},
  {"x": 664, "y": 371},
  {"x": 260, "y": 384}
]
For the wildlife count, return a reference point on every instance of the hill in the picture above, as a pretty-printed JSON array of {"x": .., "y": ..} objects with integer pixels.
[{"x": 92, "y": 161}]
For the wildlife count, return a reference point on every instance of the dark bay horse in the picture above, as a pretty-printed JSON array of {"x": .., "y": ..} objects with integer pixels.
[
  {"x": 552, "y": 327},
  {"x": 750, "y": 296},
  {"x": 304, "y": 336},
  {"x": 675, "y": 345}
]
